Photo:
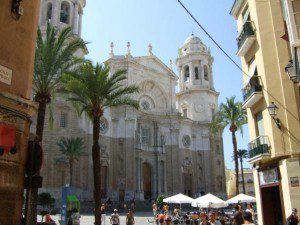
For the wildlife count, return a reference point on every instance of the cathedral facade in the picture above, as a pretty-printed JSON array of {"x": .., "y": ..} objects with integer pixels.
[{"x": 165, "y": 147}]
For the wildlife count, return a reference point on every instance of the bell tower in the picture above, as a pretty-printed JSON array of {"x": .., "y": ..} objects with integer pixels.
[
  {"x": 197, "y": 98},
  {"x": 62, "y": 14}
]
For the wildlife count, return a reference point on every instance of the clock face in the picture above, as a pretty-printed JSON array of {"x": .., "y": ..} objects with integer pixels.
[{"x": 199, "y": 107}]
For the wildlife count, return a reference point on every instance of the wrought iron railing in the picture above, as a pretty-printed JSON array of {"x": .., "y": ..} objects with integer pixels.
[
  {"x": 259, "y": 146},
  {"x": 254, "y": 85},
  {"x": 247, "y": 31}
]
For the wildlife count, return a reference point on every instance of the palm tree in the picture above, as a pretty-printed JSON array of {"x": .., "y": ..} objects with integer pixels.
[
  {"x": 242, "y": 154},
  {"x": 53, "y": 57},
  {"x": 71, "y": 148},
  {"x": 230, "y": 114},
  {"x": 92, "y": 90}
]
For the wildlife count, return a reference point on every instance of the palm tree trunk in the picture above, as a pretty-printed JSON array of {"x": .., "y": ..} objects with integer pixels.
[
  {"x": 71, "y": 172},
  {"x": 243, "y": 179},
  {"x": 96, "y": 169},
  {"x": 32, "y": 193},
  {"x": 236, "y": 162}
]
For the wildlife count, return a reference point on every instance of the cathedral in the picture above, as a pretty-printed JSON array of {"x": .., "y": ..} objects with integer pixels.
[{"x": 165, "y": 147}]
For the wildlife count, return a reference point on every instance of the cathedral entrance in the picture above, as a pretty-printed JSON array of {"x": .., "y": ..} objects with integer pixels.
[
  {"x": 104, "y": 172},
  {"x": 147, "y": 180},
  {"x": 187, "y": 183}
]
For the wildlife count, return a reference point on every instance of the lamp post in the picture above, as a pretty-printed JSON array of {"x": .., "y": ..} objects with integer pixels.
[
  {"x": 291, "y": 72},
  {"x": 273, "y": 109}
]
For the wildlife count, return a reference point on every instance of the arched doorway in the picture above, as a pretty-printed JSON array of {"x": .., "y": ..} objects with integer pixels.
[
  {"x": 187, "y": 184},
  {"x": 147, "y": 180}
]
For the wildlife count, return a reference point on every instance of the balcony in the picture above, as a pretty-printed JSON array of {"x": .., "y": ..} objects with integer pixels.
[
  {"x": 158, "y": 149},
  {"x": 259, "y": 149},
  {"x": 246, "y": 38},
  {"x": 252, "y": 92}
]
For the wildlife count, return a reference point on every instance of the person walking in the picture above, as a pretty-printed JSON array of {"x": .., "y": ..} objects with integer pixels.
[
  {"x": 154, "y": 208},
  {"x": 293, "y": 218},
  {"x": 75, "y": 217},
  {"x": 213, "y": 220},
  {"x": 238, "y": 216},
  {"x": 247, "y": 218},
  {"x": 114, "y": 218},
  {"x": 204, "y": 219},
  {"x": 251, "y": 210},
  {"x": 103, "y": 214},
  {"x": 49, "y": 220},
  {"x": 130, "y": 218}
]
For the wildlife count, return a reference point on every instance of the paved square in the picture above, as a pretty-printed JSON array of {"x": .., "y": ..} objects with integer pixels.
[{"x": 141, "y": 218}]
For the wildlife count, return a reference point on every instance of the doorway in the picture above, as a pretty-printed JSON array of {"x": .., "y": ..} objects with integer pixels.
[
  {"x": 147, "y": 181},
  {"x": 187, "y": 184},
  {"x": 271, "y": 205}
]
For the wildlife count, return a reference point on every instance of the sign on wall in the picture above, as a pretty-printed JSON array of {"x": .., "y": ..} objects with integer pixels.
[
  {"x": 5, "y": 75},
  {"x": 267, "y": 177},
  {"x": 294, "y": 181}
]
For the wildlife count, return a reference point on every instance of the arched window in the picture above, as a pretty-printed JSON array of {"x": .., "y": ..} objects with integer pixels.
[
  {"x": 205, "y": 72},
  {"x": 196, "y": 73},
  {"x": 65, "y": 12},
  {"x": 49, "y": 11},
  {"x": 186, "y": 74}
]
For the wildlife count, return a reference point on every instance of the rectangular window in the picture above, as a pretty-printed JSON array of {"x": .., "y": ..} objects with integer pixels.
[
  {"x": 146, "y": 136},
  {"x": 246, "y": 15},
  {"x": 184, "y": 113},
  {"x": 196, "y": 73},
  {"x": 296, "y": 11},
  {"x": 259, "y": 124},
  {"x": 63, "y": 120}
]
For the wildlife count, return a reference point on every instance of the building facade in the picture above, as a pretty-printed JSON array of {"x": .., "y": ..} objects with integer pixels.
[
  {"x": 272, "y": 103},
  {"x": 165, "y": 147},
  {"x": 230, "y": 183},
  {"x": 17, "y": 44}
]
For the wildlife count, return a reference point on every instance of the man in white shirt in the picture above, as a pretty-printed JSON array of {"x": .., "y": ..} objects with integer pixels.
[{"x": 114, "y": 219}]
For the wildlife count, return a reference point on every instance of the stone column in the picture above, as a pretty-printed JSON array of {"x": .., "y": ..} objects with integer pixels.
[
  {"x": 80, "y": 24},
  {"x": 56, "y": 13},
  {"x": 75, "y": 19},
  {"x": 192, "y": 73}
]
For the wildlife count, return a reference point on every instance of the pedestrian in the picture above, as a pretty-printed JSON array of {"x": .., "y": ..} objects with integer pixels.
[
  {"x": 114, "y": 218},
  {"x": 161, "y": 218},
  {"x": 154, "y": 208},
  {"x": 187, "y": 218},
  {"x": 238, "y": 216},
  {"x": 49, "y": 220},
  {"x": 247, "y": 218},
  {"x": 168, "y": 219},
  {"x": 103, "y": 214},
  {"x": 213, "y": 220},
  {"x": 251, "y": 210},
  {"x": 75, "y": 217},
  {"x": 221, "y": 218},
  {"x": 133, "y": 205},
  {"x": 166, "y": 208},
  {"x": 204, "y": 219},
  {"x": 195, "y": 218},
  {"x": 130, "y": 218},
  {"x": 293, "y": 218}
]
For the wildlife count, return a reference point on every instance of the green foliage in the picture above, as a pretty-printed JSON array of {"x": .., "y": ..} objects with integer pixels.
[
  {"x": 159, "y": 200},
  {"x": 230, "y": 114},
  {"x": 45, "y": 199},
  {"x": 72, "y": 148},
  {"x": 243, "y": 154},
  {"x": 92, "y": 89},
  {"x": 54, "y": 55}
]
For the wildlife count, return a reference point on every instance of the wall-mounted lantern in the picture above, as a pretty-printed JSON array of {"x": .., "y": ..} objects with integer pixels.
[
  {"x": 273, "y": 109},
  {"x": 291, "y": 72}
]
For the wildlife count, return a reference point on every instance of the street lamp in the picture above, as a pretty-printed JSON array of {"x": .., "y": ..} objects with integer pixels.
[
  {"x": 273, "y": 109},
  {"x": 291, "y": 72}
]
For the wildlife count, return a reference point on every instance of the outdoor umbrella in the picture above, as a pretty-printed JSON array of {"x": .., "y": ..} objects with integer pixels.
[
  {"x": 209, "y": 201},
  {"x": 241, "y": 198},
  {"x": 179, "y": 199}
]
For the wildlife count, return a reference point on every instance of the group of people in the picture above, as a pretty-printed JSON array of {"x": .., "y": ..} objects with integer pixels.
[
  {"x": 115, "y": 218},
  {"x": 164, "y": 217}
]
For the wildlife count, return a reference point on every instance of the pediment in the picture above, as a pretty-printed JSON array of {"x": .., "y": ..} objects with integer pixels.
[{"x": 154, "y": 64}]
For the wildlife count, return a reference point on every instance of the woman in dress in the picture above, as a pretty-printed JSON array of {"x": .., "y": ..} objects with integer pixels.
[{"x": 130, "y": 218}]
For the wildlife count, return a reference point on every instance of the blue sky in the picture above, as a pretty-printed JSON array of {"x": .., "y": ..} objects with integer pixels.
[{"x": 165, "y": 25}]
